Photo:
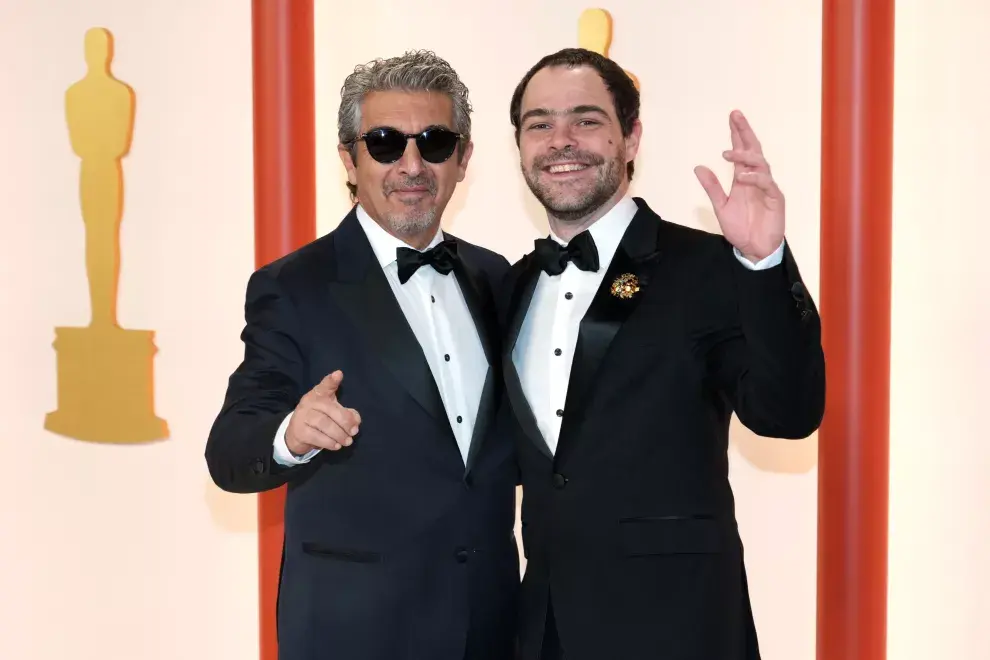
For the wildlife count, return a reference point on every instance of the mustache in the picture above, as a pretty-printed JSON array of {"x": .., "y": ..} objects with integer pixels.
[
  {"x": 569, "y": 155},
  {"x": 411, "y": 182}
]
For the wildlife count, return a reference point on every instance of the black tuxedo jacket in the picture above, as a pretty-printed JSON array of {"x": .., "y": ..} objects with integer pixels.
[
  {"x": 630, "y": 528},
  {"x": 394, "y": 548}
]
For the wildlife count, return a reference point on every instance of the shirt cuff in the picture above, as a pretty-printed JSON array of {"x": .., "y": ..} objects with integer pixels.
[
  {"x": 774, "y": 259},
  {"x": 281, "y": 452}
]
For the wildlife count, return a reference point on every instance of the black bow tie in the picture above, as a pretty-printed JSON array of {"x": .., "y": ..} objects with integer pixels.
[
  {"x": 442, "y": 257},
  {"x": 581, "y": 251}
]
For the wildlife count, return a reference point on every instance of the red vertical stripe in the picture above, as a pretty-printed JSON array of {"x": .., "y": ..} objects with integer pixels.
[
  {"x": 285, "y": 205},
  {"x": 857, "y": 136}
]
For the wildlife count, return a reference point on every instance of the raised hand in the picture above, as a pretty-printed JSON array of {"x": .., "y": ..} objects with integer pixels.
[
  {"x": 752, "y": 214},
  {"x": 319, "y": 421}
]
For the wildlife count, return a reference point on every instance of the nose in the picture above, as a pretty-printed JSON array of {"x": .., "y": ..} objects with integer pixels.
[
  {"x": 562, "y": 137},
  {"x": 411, "y": 163}
]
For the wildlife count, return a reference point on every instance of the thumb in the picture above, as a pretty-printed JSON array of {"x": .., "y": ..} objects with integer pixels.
[
  {"x": 711, "y": 185},
  {"x": 331, "y": 382}
]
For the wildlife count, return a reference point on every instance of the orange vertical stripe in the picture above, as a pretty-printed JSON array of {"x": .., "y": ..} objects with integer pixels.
[
  {"x": 285, "y": 206},
  {"x": 857, "y": 137}
]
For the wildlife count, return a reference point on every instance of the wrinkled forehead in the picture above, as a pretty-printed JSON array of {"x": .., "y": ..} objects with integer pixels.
[
  {"x": 408, "y": 111},
  {"x": 561, "y": 90}
]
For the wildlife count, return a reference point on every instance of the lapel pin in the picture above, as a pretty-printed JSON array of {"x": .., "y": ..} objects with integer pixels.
[{"x": 625, "y": 286}]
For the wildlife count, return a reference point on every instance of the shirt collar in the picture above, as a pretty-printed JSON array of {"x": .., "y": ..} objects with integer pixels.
[
  {"x": 609, "y": 229},
  {"x": 383, "y": 243}
]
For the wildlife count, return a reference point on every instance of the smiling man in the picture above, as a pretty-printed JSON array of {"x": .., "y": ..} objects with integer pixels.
[
  {"x": 630, "y": 343},
  {"x": 370, "y": 385}
]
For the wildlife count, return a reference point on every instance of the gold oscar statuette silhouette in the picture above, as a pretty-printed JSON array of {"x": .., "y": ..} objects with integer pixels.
[
  {"x": 595, "y": 34},
  {"x": 105, "y": 373}
]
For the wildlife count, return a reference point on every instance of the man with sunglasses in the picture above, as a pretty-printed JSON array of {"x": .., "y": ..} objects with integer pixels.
[
  {"x": 371, "y": 386},
  {"x": 630, "y": 343}
]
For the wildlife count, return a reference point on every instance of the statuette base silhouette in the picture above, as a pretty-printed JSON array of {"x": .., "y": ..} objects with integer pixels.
[{"x": 105, "y": 386}]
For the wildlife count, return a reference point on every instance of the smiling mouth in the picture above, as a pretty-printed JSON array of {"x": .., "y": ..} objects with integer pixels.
[
  {"x": 562, "y": 168},
  {"x": 414, "y": 192}
]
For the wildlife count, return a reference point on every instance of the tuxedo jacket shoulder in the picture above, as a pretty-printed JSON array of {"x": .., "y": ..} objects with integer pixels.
[{"x": 344, "y": 253}]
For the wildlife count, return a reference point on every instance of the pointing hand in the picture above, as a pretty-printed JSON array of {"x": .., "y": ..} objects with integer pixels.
[{"x": 319, "y": 421}]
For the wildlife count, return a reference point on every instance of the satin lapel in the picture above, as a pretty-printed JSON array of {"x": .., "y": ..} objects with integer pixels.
[
  {"x": 522, "y": 296},
  {"x": 364, "y": 295},
  {"x": 635, "y": 258},
  {"x": 478, "y": 296},
  {"x": 483, "y": 420}
]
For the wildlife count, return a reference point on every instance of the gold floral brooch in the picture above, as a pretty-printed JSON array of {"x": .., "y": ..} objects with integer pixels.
[{"x": 625, "y": 286}]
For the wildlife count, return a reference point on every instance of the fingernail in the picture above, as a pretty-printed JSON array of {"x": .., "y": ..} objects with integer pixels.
[{"x": 354, "y": 431}]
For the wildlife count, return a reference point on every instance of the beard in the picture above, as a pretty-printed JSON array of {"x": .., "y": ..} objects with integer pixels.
[
  {"x": 413, "y": 220},
  {"x": 571, "y": 202},
  {"x": 410, "y": 224}
]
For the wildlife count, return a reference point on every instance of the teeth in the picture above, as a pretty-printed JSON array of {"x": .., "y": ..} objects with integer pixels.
[{"x": 556, "y": 169}]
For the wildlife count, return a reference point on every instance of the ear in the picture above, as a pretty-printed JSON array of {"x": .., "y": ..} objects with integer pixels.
[
  {"x": 465, "y": 156},
  {"x": 345, "y": 157},
  {"x": 632, "y": 141}
]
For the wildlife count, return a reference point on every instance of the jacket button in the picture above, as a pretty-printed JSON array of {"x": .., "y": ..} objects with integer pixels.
[
  {"x": 259, "y": 466},
  {"x": 462, "y": 556},
  {"x": 559, "y": 480}
]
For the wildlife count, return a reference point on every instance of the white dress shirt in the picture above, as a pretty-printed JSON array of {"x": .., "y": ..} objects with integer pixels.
[
  {"x": 439, "y": 317},
  {"x": 544, "y": 349}
]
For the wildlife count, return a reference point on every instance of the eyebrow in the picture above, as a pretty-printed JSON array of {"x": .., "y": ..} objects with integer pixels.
[{"x": 576, "y": 110}]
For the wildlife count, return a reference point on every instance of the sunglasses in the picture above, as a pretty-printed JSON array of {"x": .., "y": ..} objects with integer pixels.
[{"x": 386, "y": 144}]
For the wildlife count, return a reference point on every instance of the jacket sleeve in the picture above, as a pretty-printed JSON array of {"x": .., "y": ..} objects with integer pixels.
[
  {"x": 767, "y": 359},
  {"x": 261, "y": 392}
]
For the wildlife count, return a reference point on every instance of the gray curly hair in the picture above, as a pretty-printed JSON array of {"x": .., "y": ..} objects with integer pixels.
[{"x": 416, "y": 70}]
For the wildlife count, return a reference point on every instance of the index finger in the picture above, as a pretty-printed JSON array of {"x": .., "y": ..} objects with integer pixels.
[
  {"x": 329, "y": 384},
  {"x": 746, "y": 134}
]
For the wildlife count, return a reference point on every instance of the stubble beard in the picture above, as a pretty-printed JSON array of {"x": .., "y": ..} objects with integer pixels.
[
  {"x": 413, "y": 222},
  {"x": 569, "y": 206}
]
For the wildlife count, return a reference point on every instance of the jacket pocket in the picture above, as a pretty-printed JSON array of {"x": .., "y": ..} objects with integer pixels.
[
  {"x": 671, "y": 535},
  {"x": 342, "y": 554}
]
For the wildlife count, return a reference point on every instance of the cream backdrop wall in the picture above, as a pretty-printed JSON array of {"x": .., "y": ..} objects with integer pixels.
[
  {"x": 940, "y": 360},
  {"x": 695, "y": 63},
  {"x": 126, "y": 551}
]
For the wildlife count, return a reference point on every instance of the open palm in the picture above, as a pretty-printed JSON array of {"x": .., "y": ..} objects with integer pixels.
[{"x": 752, "y": 214}]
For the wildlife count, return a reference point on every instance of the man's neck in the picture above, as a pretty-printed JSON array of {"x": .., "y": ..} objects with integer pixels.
[
  {"x": 568, "y": 229},
  {"x": 417, "y": 241}
]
